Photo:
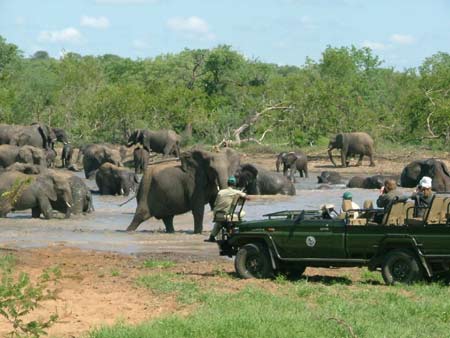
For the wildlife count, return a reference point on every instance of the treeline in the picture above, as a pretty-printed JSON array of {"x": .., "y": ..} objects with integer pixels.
[{"x": 216, "y": 91}]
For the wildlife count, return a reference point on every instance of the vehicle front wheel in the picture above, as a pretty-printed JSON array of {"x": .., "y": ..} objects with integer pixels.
[
  {"x": 401, "y": 266},
  {"x": 253, "y": 261}
]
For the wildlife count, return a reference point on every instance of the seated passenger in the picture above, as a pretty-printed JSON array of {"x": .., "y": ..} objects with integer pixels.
[
  {"x": 348, "y": 204},
  {"x": 328, "y": 211},
  {"x": 423, "y": 196},
  {"x": 389, "y": 194}
]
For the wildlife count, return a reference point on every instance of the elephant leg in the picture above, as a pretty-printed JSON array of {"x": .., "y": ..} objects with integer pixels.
[
  {"x": 35, "y": 212},
  {"x": 168, "y": 223},
  {"x": 372, "y": 163},
  {"x": 198, "y": 219},
  {"x": 344, "y": 158},
  {"x": 292, "y": 176},
  {"x": 45, "y": 207},
  {"x": 360, "y": 160},
  {"x": 137, "y": 220},
  {"x": 305, "y": 171}
]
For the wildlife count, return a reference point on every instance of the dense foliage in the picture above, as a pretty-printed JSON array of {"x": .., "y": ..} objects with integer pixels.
[{"x": 215, "y": 91}]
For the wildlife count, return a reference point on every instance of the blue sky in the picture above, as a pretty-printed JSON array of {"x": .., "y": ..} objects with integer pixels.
[{"x": 402, "y": 32}]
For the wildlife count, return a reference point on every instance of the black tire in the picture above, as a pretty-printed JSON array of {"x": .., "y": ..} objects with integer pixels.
[
  {"x": 401, "y": 266},
  {"x": 293, "y": 273},
  {"x": 253, "y": 261}
]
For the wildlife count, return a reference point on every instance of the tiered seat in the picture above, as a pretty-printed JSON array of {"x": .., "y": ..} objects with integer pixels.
[{"x": 395, "y": 215}]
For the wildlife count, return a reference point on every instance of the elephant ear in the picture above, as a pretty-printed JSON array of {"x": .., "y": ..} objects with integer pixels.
[
  {"x": 429, "y": 168},
  {"x": 47, "y": 187},
  {"x": 444, "y": 169},
  {"x": 44, "y": 134},
  {"x": 25, "y": 154},
  {"x": 186, "y": 160}
]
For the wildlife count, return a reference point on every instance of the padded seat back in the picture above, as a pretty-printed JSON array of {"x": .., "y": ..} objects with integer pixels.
[
  {"x": 408, "y": 210},
  {"x": 433, "y": 214},
  {"x": 395, "y": 214},
  {"x": 445, "y": 211}
]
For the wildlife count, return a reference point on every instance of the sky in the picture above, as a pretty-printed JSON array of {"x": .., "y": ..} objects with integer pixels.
[{"x": 401, "y": 32}]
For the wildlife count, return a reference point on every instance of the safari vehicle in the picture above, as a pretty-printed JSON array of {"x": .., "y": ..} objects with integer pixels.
[{"x": 403, "y": 247}]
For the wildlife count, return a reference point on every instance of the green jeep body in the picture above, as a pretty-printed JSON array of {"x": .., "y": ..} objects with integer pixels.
[{"x": 404, "y": 248}]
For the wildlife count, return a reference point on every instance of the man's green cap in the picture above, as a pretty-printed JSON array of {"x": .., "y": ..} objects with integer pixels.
[
  {"x": 347, "y": 195},
  {"x": 232, "y": 180}
]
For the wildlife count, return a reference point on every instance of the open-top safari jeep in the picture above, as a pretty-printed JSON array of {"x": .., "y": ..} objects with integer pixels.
[{"x": 405, "y": 248}]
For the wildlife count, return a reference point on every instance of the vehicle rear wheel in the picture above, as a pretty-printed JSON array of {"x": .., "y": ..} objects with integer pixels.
[
  {"x": 401, "y": 266},
  {"x": 253, "y": 261}
]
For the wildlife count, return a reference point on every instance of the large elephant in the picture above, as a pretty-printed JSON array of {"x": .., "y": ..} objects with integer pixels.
[
  {"x": 19, "y": 191},
  {"x": 9, "y": 154},
  {"x": 431, "y": 167},
  {"x": 352, "y": 144},
  {"x": 329, "y": 177},
  {"x": 97, "y": 154},
  {"x": 162, "y": 141},
  {"x": 37, "y": 135},
  {"x": 166, "y": 192},
  {"x": 81, "y": 196},
  {"x": 140, "y": 159},
  {"x": 295, "y": 161},
  {"x": 114, "y": 180},
  {"x": 259, "y": 181},
  {"x": 30, "y": 169},
  {"x": 370, "y": 182}
]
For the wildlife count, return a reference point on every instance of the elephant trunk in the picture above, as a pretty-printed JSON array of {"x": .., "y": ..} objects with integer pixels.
[{"x": 330, "y": 155}]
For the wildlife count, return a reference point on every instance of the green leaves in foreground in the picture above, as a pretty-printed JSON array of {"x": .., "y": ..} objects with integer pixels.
[
  {"x": 306, "y": 309},
  {"x": 19, "y": 296}
]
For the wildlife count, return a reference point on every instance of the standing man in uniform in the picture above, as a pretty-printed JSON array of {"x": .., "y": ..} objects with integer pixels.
[{"x": 223, "y": 203}]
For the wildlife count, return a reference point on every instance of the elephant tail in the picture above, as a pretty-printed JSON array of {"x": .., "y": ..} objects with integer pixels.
[{"x": 142, "y": 210}]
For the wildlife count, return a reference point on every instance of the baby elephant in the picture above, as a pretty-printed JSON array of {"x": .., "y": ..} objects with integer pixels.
[
  {"x": 66, "y": 155},
  {"x": 329, "y": 177},
  {"x": 114, "y": 180},
  {"x": 140, "y": 158},
  {"x": 50, "y": 157}
]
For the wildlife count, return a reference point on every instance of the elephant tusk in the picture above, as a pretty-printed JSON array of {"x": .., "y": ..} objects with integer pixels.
[
  {"x": 122, "y": 192},
  {"x": 68, "y": 204}
]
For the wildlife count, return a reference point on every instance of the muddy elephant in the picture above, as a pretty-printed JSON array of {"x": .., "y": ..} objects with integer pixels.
[
  {"x": 50, "y": 157},
  {"x": 279, "y": 160},
  {"x": 259, "y": 181},
  {"x": 66, "y": 155},
  {"x": 9, "y": 154},
  {"x": 37, "y": 135},
  {"x": 164, "y": 141},
  {"x": 19, "y": 191},
  {"x": 81, "y": 196},
  {"x": 329, "y": 177},
  {"x": 140, "y": 159},
  {"x": 97, "y": 154},
  {"x": 30, "y": 169},
  {"x": 114, "y": 180},
  {"x": 352, "y": 144},
  {"x": 166, "y": 192},
  {"x": 295, "y": 162},
  {"x": 370, "y": 182},
  {"x": 431, "y": 167}
]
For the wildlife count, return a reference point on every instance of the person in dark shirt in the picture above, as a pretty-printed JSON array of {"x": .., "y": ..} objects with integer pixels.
[
  {"x": 423, "y": 196},
  {"x": 389, "y": 194}
]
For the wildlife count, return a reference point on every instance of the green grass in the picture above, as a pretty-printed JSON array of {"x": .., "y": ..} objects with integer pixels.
[
  {"x": 150, "y": 263},
  {"x": 7, "y": 262},
  {"x": 300, "y": 309}
]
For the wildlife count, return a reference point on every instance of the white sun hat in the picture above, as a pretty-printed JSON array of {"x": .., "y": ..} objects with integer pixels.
[{"x": 425, "y": 182}]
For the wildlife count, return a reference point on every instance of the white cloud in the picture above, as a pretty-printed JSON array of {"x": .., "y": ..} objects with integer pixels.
[
  {"x": 125, "y": 2},
  {"x": 374, "y": 45},
  {"x": 402, "y": 39},
  {"x": 65, "y": 35},
  {"x": 93, "y": 22},
  {"x": 140, "y": 44},
  {"x": 192, "y": 26}
]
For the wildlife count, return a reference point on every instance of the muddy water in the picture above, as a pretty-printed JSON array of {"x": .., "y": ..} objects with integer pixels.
[{"x": 105, "y": 228}]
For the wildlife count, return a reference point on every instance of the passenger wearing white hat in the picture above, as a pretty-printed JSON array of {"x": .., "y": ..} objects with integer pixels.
[{"x": 423, "y": 196}]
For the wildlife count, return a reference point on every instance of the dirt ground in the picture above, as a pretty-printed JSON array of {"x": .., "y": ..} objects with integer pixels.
[{"x": 99, "y": 288}]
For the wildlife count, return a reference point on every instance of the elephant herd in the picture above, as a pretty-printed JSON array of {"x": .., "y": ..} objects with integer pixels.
[{"x": 162, "y": 192}]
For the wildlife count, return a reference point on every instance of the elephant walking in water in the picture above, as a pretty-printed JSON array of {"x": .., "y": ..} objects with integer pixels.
[
  {"x": 162, "y": 141},
  {"x": 352, "y": 144},
  {"x": 166, "y": 192}
]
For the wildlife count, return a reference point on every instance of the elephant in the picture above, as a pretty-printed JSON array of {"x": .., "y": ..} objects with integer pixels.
[
  {"x": 61, "y": 135},
  {"x": 114, "y": 180},
  {"x": 50, "y": 157},
  {"x": 233, "y": 158},
  {"x": 140, "y": 159},
  {"x": 66, "y": 155},
  {"x": 370, "y": 182},
  {"x": 329, "y": 177},
  {"x": 30, "y": 169},
  {"x": 9, "y": 154},
  {"x": 20, "y": 191},
  {"x": 97, "y": 154},
  {"x": 37, "y": 135},
  {"x": 168, "y": 191},
  {"x": 352, "y": 144},
  {"x": 293, "y": 162},
  {"x": 164, "y": 141},
  {"x": 431, "y": 167},
  {"x": 258, "y": 181},
  {"x": 81, "y": 196}
]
